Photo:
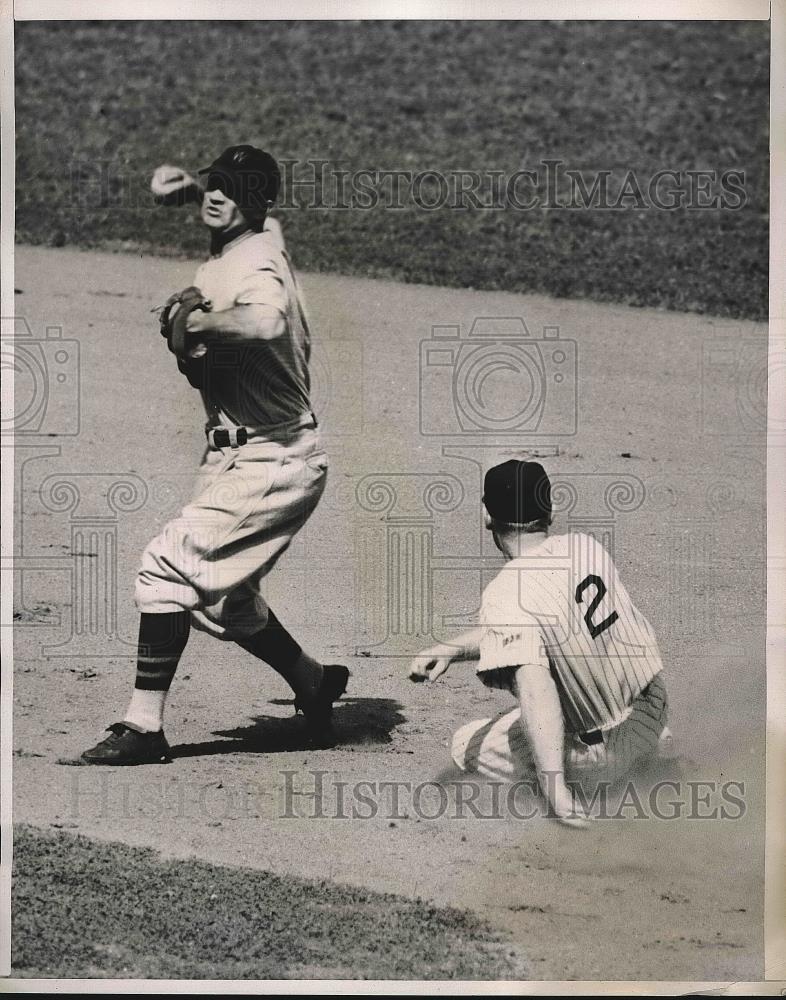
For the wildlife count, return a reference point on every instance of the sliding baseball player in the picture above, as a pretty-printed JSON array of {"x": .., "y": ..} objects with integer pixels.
[{"x": 560, "y": 632}]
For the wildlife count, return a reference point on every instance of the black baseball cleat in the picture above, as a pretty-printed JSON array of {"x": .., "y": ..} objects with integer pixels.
[
  {"x": 318, "y": 709},
  {"x": 127, "y": 746}
]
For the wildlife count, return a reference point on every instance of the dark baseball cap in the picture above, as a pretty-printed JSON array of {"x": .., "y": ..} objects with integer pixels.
[
  {"x": 247, "y": 175},
  {"x": 517, "y": 492}
]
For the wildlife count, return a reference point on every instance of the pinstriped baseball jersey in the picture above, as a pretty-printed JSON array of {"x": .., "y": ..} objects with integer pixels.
[{"x": 562, "y": 604}]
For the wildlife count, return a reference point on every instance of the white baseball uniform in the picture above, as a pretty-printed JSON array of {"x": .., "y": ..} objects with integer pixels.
[
  {"x": 563, "y": 605},
  {"x": 251, "y": 497}
]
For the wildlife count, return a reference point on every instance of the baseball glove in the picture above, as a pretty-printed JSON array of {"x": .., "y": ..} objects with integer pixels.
[{"x": 173, "y": 319}]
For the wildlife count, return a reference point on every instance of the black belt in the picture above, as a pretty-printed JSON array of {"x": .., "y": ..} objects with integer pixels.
[
  {"x": 596, "y": 735},
  {"x": 224, "y": 437},
  {"x": 234, "y": 437}
]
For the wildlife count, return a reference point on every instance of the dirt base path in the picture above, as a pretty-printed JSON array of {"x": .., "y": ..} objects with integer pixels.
[{"x": 635, "y": 898}]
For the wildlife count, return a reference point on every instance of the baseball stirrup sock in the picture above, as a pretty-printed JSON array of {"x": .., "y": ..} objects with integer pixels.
[
  {"x": 162, "y": 639},
  {"x": 275, "y": 646}
]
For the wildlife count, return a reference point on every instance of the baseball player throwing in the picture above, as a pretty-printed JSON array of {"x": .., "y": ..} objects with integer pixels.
[
  {"x": 560, "y": 632},
  {"x": 244, "y": 342}
]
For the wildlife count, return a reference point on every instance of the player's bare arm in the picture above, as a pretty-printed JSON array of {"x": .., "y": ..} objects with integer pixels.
[
  {"x": 541, "y": 717},
  {"x": 243, "y": 322},
  {"x": 431, "y": 663}
]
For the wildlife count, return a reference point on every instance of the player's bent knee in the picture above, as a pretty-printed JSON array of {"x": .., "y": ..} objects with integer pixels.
[{"x": 466, "y": 745}]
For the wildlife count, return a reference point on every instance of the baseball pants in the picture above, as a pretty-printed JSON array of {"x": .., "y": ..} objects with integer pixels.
[
  {"x": 498, "y": 748},
  {"x": 250, "y": 502}
]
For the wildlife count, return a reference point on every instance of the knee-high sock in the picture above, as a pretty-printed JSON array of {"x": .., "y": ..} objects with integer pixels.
[
  {"x": 162, "y": 639},
  {"x": 275, "y": 646}
]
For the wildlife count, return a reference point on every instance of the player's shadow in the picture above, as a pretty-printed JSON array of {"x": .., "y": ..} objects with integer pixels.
[{"x": 358, "y": 723}]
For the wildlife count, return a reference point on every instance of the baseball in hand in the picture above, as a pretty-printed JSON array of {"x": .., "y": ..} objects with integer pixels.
[{"x": 173, "y": 186}]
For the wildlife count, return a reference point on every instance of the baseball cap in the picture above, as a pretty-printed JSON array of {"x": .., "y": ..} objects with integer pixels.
[
  {"x": 517, "y": 492},
  {"x": 247, "y": 175}
]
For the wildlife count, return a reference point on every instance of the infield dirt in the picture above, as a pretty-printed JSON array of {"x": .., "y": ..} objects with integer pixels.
[{"x": 633, "y": 898}]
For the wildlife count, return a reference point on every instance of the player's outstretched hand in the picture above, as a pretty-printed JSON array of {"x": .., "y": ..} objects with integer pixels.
[
  {"x": 174, "y": 186},
  {"x": 576, "y": 820},
  {"x": 431, "y": 663},
  {"x": 567, "y": 812}
]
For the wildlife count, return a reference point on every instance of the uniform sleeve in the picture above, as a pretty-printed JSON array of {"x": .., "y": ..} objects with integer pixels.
[
  {"x": 273, "y": 229},
  {"x": 262, "y": 287},
  {"x": 509, "y": 640}
]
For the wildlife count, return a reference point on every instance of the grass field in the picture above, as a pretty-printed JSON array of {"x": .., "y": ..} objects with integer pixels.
[
  {"x": 100, "y": 104},
  {"x": 84, "y": 909}
]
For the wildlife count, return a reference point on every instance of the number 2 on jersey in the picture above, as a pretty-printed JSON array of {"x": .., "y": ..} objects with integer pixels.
[{"x": 600, "y": 593}]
